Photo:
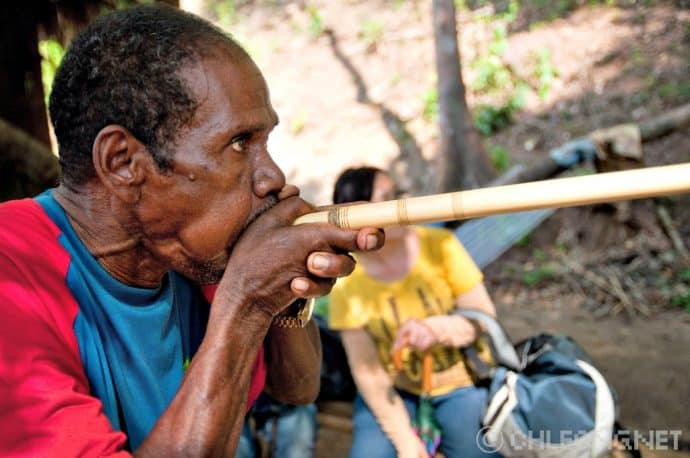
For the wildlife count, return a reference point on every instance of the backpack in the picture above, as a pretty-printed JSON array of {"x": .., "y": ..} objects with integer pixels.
[{"x": 546, "y": 398}]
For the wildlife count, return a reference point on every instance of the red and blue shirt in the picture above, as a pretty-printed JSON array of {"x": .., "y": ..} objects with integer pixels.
[{"x": 87, "y": 363}]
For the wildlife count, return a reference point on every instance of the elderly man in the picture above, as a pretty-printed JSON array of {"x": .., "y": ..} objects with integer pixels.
[{"x": 107, "y": 345}]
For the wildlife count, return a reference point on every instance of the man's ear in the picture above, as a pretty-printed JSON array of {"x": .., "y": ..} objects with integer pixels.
[{"x": 121, "y": 162}]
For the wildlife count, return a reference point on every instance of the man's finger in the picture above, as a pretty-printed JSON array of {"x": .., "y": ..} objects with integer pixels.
[
  {"x": 330, "y": 265},
  {"x": 289, "y": 190},
  {"x": 311, "y": 287},
  {"x": 370, "y": 238}
]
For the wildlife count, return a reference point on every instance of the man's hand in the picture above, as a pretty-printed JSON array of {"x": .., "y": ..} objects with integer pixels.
[{"x": 274, "y": 262}]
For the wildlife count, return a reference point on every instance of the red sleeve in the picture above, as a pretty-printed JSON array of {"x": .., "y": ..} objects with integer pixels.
[
  {"x": 259, "y": 371},
  {"x": 45, "y": 405}
]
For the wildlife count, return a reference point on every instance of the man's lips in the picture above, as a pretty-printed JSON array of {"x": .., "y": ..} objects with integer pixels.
[{"x": 271, "y": 202}]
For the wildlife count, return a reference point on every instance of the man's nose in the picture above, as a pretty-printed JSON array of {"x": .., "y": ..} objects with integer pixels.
[{"x": 268, "y": 178}]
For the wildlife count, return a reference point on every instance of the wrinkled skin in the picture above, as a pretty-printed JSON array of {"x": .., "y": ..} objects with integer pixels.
[{"x": 222, "y": 213}]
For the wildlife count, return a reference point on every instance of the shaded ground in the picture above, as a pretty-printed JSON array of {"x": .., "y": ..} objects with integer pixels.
[{"x": 611, "y": 65}]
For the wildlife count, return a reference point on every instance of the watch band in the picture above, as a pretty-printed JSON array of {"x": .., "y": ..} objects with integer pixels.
[
  {"x": 298, "y": 315},
  {"x": 288, "y": 322}
]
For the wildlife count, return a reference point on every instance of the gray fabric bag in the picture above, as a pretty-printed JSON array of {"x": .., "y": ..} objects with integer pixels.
[{"x": 546, "y": 398}]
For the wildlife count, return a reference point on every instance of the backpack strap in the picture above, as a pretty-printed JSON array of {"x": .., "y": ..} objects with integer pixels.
[
  {"x": 503, "y": 349},
  {"x": 500, "y": 407},
  {"x": 604, "y": 412}
]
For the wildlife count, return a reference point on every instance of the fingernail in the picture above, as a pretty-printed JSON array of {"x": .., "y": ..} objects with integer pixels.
[
  {"x": 300, "y": 284},
  {"x": 319, "y": 262},
  {"x": 372, "y": 241}
]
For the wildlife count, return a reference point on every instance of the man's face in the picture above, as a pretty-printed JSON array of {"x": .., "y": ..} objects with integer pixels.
[{"x": 221, "y": 177}]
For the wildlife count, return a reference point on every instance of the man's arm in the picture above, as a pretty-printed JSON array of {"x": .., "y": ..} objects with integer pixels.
[
  {"x": 270, "y": 266},
  {"x": 293, "y": 360},
  {"x": 205, "y": 418},
  {"x": 46, "y": 408}
]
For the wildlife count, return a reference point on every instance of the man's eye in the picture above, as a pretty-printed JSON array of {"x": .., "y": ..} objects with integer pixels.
[{"x": 239, "y": 144}]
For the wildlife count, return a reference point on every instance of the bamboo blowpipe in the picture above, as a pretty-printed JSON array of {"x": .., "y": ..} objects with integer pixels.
[{"x": 554, "y": 193}]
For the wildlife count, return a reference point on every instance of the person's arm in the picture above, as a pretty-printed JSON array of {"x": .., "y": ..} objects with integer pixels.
[
  {"x": 477, "y": 299},
  {"x": 446, "y": 330},
  {"x": 46, "y": 408},
  {"x": 375, "y": 386},
  {"x": 270, "y": 266},
  {"x": 293, "y": 359}
]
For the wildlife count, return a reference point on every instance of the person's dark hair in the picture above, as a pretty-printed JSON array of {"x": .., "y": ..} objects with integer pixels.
[
  {"x": 355, "y": 184},
  {"x": 124, "y": 69}
]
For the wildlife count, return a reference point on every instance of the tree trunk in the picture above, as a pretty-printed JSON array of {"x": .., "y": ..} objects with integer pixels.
[
  {"x": 465, "y": 163},
  {"x": 21, "y": 88},
  {"x": 27, "y": 166}
]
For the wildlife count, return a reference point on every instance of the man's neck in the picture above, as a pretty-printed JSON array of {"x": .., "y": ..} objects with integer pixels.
[{"x": 108, "y": 231}]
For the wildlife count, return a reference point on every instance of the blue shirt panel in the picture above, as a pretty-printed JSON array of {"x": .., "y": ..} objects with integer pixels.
[{"x": 133, "y": 341}]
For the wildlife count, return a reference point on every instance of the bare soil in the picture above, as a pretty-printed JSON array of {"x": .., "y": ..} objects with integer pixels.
[{"x": 613, "y": 64}]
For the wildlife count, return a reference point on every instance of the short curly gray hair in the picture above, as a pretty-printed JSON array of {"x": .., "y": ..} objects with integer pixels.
[{"x": 124, "y": 69}]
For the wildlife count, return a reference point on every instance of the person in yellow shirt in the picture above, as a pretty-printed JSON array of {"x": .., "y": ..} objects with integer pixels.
[{"x": 402, "y": 298}]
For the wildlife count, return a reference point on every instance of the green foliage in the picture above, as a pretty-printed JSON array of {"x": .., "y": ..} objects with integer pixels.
[
  {"x": 636, "y": 56},
  {"x": 51, "y": 53},
  {"x": 494, "y": 78},
  {"x": 511, "y": 13},
  {"x": 489, "y": 119},
  {"x": 430, "y": 111},
  {"x": 545, "y": 11},
  {"x": 682, "y": 300},
  {"x": 226, "y": 11},
  {"x": 682, "y": 297},
  {"x": 538, "y": 274},
  {"x": 545, "y": 73},
  {"x": 371, "y": 32},
  {"x": 500, "y": 158},
  {"x": 398, "y": 3},
  {"x": 674, "y": 91},
  {"x": 541, "y": 272},
  {"x": 685, "y": 276},
  {"x": 316, "y": 26},
  {"x": 491, "y": 73},
  {"x": 299, "y": 122},
  {"x": 525, "y": 240},
  {"x": 502, "y": 92},
  {"x": 106, "y": 7}
]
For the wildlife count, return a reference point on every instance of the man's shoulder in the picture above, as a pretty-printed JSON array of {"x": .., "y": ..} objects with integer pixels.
[
  {"x": 31, "y": 257},
  {"x": 26, "y": 220},
  {"x": 33, "y": 268}
]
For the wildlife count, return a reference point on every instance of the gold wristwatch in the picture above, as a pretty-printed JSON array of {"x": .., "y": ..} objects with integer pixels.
[{"x": 297, "y": 315}]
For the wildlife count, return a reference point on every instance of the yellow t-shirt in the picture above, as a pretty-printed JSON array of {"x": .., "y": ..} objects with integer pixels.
[{"x": 442, "y": 272}]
